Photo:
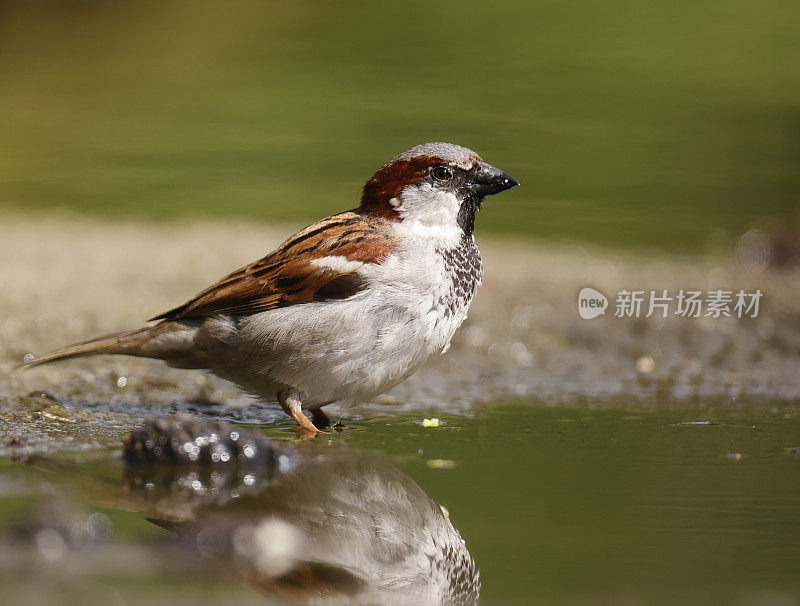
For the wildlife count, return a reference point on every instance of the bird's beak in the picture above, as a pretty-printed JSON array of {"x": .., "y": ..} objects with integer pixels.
[{"x": 490, "y": 180}]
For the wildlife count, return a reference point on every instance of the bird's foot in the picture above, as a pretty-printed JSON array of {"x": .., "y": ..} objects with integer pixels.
[{"x": 303, "y": 424}]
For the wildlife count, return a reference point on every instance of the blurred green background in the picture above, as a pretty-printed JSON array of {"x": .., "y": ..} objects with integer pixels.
[{"x": 655, "y": 124}]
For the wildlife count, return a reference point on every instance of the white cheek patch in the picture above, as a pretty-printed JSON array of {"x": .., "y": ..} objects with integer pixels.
[
  {"x": 428, "y": 212},
  {"x": 338, "y": 264},
  {"x": 425, "y": 203}
]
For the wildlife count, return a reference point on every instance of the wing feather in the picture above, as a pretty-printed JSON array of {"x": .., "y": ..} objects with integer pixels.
[{"x": 289, "y": 275}]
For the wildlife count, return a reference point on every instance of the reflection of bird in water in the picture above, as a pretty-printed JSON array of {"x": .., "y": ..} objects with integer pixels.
[{"x": 319, "y": 523}]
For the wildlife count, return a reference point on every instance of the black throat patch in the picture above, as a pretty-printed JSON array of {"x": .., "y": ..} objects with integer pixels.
[{"x": 466, "y": 215}]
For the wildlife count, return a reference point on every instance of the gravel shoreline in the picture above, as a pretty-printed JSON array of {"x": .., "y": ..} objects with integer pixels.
[{"x": 67, "y": 278}]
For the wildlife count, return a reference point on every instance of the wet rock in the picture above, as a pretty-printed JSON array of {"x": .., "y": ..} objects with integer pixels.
[{"x": 187, "y": 439}]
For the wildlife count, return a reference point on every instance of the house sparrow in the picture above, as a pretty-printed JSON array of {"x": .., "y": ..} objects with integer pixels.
[{"x": 346, "y": 308}]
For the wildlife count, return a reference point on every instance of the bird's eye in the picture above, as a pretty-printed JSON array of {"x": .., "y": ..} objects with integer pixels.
[{"x": 442, "y": 173}]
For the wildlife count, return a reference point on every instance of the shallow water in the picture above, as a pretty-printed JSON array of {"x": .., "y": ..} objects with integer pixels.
[{"x": 557, "y": 505}]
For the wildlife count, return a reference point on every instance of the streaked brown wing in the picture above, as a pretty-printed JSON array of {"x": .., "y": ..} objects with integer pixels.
[{"x": 289, "y": 276}]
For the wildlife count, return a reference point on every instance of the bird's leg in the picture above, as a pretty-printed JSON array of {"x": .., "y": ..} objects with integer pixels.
[
  {"x": 320, "y": 418},
  {"x": 291, "y": 400}
]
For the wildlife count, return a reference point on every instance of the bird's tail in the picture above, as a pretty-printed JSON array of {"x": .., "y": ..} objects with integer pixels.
[{"x": 129, "y": 342}]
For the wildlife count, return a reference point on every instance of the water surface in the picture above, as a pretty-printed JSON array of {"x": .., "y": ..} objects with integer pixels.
[{"x": 557, "y": 505}]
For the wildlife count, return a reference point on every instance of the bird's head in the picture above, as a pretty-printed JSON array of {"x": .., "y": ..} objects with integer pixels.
[{"x": 434, "y": 185}]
